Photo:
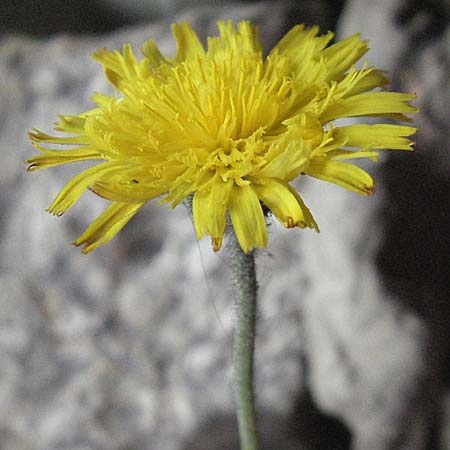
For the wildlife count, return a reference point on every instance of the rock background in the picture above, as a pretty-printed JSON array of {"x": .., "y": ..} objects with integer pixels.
[{"x": 129, "y": 348}]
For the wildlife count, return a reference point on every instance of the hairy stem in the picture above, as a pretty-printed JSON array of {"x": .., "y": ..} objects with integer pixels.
[{"x": 245, "y": 287}]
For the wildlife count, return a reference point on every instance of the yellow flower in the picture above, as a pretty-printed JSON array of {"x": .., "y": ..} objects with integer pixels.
[{"x": 227, "y": 125}]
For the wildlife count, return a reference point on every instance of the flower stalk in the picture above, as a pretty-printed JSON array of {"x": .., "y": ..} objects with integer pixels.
[{"x": 245, "y": 289}]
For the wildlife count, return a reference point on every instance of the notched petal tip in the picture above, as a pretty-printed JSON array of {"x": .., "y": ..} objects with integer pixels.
[
  {"x": 86, "y": 249},
  {"x": 216, "y": 243},
  {"x": 31, "y": 166},
  {"x": 33, "y": 134},
  {"x": 290, "y": 222},
  {"x": 187, "y": 42},
  {"x": 99, "y": 53},
  {"x": 106, "y": 226},
  {"x": 36, "y": 135},
  {"x": 113, "y": 77},
  {"x": 55, "y": 211}
]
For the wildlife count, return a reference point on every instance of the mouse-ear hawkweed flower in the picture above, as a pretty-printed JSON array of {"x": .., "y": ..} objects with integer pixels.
[
  {"x": 229, "y": 126},
  {"x": 229, "y": 129}
]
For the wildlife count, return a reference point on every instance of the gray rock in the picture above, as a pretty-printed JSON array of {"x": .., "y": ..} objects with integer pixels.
[
  {"x": 444, "y": 441},
  {"x": 378, "y": 364}
]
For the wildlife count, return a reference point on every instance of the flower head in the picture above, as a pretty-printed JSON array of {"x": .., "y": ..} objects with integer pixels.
[{"x": 228, "y": 126}]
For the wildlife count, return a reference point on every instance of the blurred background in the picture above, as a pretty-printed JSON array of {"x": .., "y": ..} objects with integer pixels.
[
  {"x": 98, "y": 16},
  {"x": 129, "y": 348}
]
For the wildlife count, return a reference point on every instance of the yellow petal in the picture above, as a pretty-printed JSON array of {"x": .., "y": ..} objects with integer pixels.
[
  {"x": 285, "y": 161},
  {"x": 71, "y": 124},
  {"x": 178, "y": 192},
  {"x": 376, "y": 136},
  {"x": 240, "y": 43},
  {"x": 105, "y": 105},
  {"x": 36, "y": 135},
  {"x": 355, "y": 81},
  {"x": 246, "y": 38},
  {"x": 343, "y": 174},
  {"x": 309, "y": 219},
  {"x": 283, "y": 204},
  {"x": 300, "y": 40},
  {"x": 200, "y": 212},
  {"x": 107, "y": 225},
  {"x": 188, "y": 43},
  {"x": 113, "y": 66},
  {"x": 368, "y": 104},
  {"x": 372, "y": 78},
  {"x": 209, "y": 211},
  {"x": 51, "y": 158},
  {"x": 73, "y": 190},
  {"x": 341, "y": 154},
  {"x": 127, "y": 186},
  {"x": 121, "y": 67},
  {"x": 340, "y": 56},
  {"x": 288, "y": 155},
  {"x": 152, "y": 53},
  {"x": 247, "y": 218},
  {"x": 298, "y": 56}
]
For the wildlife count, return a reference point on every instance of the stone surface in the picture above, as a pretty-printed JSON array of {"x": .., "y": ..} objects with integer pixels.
[
  {"x": 397, "y": 351},
  {"x": 130, "y": 347}
]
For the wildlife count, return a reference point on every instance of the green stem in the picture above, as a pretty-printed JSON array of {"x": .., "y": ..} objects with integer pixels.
[{"x": 244, "y": 278}]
